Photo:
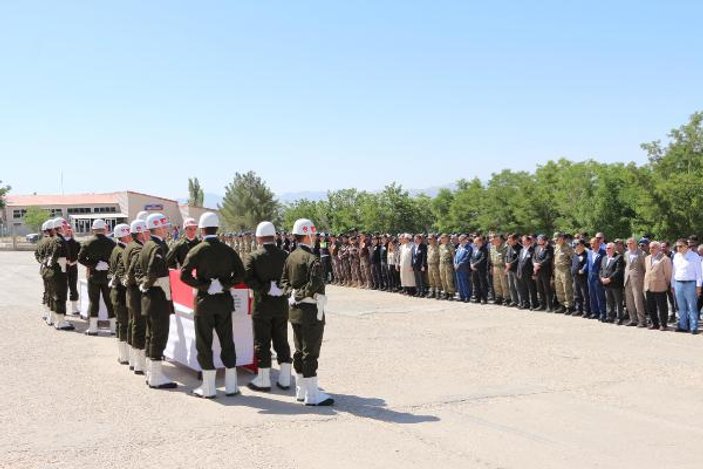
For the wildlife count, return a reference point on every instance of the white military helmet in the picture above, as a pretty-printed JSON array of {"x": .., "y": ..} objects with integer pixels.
[
  {"x": 209, "y": 220},
  {"x": 156, "y": 220},
  {"x": 46, "y": 226},
  {"x": 265, "y": 229},
  {"x": 142, "y": 215},
  {"x": 303, "y": 226},
  {"x": 189, "y": 222},
  {"x": 137, "y": 226},
  {"x": 99, "y": 224},
  {"x": 121, "y": 230},
  {"x": 59, "y": 223}
]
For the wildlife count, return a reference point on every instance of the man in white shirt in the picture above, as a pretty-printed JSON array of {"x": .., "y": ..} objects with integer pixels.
[{"x": 687, "y": 280}]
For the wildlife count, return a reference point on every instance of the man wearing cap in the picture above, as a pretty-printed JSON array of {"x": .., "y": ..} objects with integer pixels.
[
  {"x": 178, "y": 252},
  {"x": 118, "y": 292},
  {"x": 364, "y": 261},
  {"x": 334, "y": 259},
  {"x": 542, "y": 260},
  {"x": 354, "y": 262},
  {"x": 74, "y": 248},
  {"x": 95, "y": 256},
  {"x": 634, "y": 284},
  {"x": 446, "y": 267},
  {"x": 345, "y": 261},
  {"x": 498, "y": 249},
  {"x": 218, "y": 268},
  {"x": 264, "y": 268},
  {"x": 563, "y": 282},
  {"x": 136, "y": 328},
  {"x": 155, "y": 286},
  {"x": 57, "y": 262},
  {"x": 433, "y": 275},
  {"x": 511, "y": 260},
  {"x": 302, "y": 280}
]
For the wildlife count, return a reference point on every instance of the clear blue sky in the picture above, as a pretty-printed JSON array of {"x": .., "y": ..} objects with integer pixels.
[{"x": 324, "y": 95}]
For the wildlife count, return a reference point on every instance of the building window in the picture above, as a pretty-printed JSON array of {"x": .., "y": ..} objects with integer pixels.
[
  {"x": 56, "y": 212},
  {"x": 17, "y": 214},
  {"x": 74, "y": 210},
  {"x": 105, "y": 210}
]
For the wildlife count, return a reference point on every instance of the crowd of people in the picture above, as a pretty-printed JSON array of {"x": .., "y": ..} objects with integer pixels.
[
  {"x": 633, "y": 282},
  {"x": 130, "y": 272}
]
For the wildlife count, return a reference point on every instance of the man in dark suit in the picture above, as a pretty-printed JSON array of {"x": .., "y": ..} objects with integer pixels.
[
  {"x": 525, "y": 281},
  {"x": 596, "y": 291},
  {"x": 579, "y": 272},
  {"x": 542, "y": 263},
  {"x": 612, "y": 276},
  {"x": 479, "y": 270},
  {"x": 512, "y": 258},
  {"x": 419, "y": 263}
]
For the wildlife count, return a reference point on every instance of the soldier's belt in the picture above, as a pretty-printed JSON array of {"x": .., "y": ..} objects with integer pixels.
[
  {"x": 307, "y": 300},
  {"x": 164, "y": 283}
]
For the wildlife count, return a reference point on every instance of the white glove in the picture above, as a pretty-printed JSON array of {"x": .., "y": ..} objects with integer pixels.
[
  {"x": 61, "y": 261},
  {"x": 124, "y": 282},
  {"x": 215, "y": 287},
  {"x": 291, "y": 298},
  {"x": 274, "y": 290},
  {"x": 143, "y": 288},
  {"x": 113, "y": 282},
  {"x": 102, "y": 266},
  {"x": 321, "y": 305}
]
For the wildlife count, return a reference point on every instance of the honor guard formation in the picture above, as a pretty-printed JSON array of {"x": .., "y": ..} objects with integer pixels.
[{"x": 129, "y": 271}]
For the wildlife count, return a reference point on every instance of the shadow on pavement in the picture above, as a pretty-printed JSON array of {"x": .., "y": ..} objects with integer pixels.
[{"x": 365, "y": 407}]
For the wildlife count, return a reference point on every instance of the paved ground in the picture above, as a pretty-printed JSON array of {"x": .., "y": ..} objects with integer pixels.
[{"x": 418, "y": 383}]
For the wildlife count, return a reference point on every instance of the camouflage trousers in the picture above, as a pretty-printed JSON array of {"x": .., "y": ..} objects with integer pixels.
[
  {"x": 446, "y": 275},
  {"x": 365, "y": 272},
  {"x": 434, "y": 277},
  {"x": 500, "y": 284},
  {"x": 355, "y": 271},
  {"x": 345, "y": 270},
  {"x": 335, "y": 276},
  {"x": 563, "y": 287}
]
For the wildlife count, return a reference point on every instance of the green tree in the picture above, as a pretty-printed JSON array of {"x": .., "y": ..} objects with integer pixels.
[
  {"x": 196, "y": 195},
  {"x": 304, "y": 208},
  {"x": 676, "y": 199},
  {"x": 441, "y": 205},
  {"x": 506, "y": 205},
  {"x": 35, "y": 216},
  {"x": 248, "y": 201},
  {"x": 466, "y": 206},
  {"x": 3, "y": 192},
  {"x": 344, "y": 209}
]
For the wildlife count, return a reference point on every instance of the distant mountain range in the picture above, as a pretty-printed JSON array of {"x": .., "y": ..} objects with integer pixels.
[
  {"x": 288, "y": 197},
  {"x": 212, "y": 200}
]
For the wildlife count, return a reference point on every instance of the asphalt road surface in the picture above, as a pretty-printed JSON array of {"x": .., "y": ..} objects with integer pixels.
[{"x": 418, "y": 383}]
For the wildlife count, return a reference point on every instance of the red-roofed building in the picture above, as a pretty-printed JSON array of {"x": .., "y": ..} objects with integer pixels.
[{"x": 81, "y": 209}]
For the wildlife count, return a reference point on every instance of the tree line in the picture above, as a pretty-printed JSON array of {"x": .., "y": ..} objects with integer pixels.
[{"x": 662, "y": 198}]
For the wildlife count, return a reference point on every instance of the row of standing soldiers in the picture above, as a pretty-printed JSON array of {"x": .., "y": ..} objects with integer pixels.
[{"x": 131, "y": 274}]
